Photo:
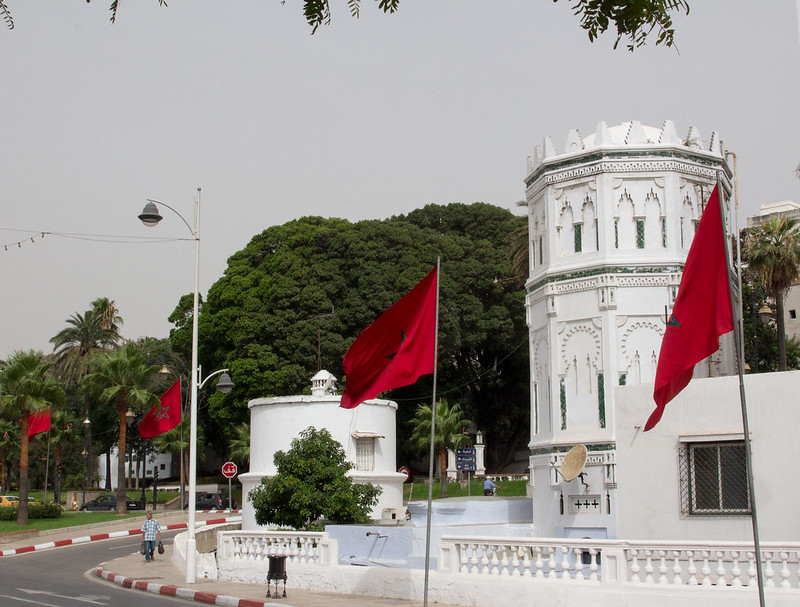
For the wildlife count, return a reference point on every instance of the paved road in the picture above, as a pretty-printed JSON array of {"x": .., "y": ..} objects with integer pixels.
[{"x": 64, "y": 577}]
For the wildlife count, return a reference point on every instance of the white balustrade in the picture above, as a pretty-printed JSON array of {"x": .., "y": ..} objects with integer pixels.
[
  {"x": 255, "y": 546},
  {"x": 727, "y": 565}
]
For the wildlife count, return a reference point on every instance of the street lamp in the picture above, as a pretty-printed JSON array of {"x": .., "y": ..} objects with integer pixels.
[{"x": 150, "y": 217}]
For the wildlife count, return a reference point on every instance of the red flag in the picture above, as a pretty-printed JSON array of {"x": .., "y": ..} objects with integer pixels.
[
  {"x": 396, "y": 349},
  {"x": 701, "y": 314},
  {"x": 38, "y": 422},
  {"x": 165, "y": 415}
]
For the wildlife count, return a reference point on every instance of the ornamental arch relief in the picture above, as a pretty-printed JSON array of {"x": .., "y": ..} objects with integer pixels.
[{"x": 639, "y": 346}]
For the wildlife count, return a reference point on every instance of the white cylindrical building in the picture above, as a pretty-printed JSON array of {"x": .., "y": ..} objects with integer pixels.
[{"x": 367, "y": 434}]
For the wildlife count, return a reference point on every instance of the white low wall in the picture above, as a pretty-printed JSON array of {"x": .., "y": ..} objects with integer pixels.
[{"x": 497, "y": 572}]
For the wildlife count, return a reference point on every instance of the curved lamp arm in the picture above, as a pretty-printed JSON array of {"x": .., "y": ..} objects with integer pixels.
[
  {"x": 183, "y": 219},
  {"x": 209, "y": 376}
]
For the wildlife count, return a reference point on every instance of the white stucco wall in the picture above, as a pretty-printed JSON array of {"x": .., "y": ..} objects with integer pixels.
[
  {"x": 275, "y": 422},
  {"x": 647, "y": 463}
]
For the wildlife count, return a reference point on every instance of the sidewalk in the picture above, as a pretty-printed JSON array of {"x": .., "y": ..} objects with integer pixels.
[{"x": 162, "y": 577}]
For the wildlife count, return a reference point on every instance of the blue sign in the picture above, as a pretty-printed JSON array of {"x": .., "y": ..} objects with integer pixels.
[{"x": 465, "y": 458}]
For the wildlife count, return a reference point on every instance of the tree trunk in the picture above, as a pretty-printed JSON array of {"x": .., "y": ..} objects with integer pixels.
[
  {"x": 108, "y": 469},
  {"x": 443, "y": 468},
  {"x": 781, "y": 325},
  {"x": 3, "y": 472},
  {"x": 122, "y": 506},
  {"x": 22, "y": 509}
]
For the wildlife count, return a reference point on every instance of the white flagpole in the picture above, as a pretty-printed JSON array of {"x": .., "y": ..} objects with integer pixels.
[
  {"x": 433, "y": 433},
  {"x": 738, "y": 327}
]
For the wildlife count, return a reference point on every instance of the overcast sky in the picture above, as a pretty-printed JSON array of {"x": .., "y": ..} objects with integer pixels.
[{"x": 442, "y": 102}]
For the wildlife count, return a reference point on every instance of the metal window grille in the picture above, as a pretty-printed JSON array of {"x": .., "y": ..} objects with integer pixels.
[
  {"x": 714, "y": 479},
  {"x": 578, "y": 237}
]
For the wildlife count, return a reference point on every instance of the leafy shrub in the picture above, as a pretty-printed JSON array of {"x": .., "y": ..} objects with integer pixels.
[{"x": 9, "y": 513}]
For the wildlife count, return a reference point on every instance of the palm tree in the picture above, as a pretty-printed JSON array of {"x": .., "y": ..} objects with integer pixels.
[
  {"x": 772, "y": 252},
  {"x": 8, "y": 438},
  {"x": 108, "y": 313},
  {"x": 448, "y": 432},
  {"x": 85, "y": 335},
  {"x": 240, "y": 444},
  {"x": 63, "y": 425},
  {"x": 28, "y": 388},
  {"x": 120, "y": 379}
]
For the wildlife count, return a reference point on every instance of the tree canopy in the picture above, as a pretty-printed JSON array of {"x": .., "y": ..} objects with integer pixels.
[
  {"x": 299, "y": 294},
  {"x": 635, "y": 20},
  {"x": 312, "y": 484}
]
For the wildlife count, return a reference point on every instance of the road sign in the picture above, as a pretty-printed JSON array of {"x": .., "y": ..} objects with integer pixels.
[
  {"x": 229, "y": 469},
  {"x": 465, "y": 458}
]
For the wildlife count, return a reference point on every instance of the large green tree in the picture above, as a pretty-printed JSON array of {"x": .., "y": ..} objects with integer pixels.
[
  {"x": 269, "y": 317},
  {"x": 634, "y": 20},
  {"x": 772, "y": 253},
  {"x": 28, "y": 387},
  {"x": 121, "y": 380},
  {"x": 448, "y": 433},
  {"x": 312, "y": 484}
]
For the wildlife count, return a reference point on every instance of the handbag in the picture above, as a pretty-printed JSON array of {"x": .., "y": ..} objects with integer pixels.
[
  {"x": 141, "y": 548},
  {"x": 160, "y": 548}
]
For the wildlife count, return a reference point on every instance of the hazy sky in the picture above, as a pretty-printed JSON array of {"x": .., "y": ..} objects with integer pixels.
[{"x": 442, "y": 102}]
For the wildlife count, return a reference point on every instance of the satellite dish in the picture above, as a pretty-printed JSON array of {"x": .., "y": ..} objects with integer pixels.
[{"x": 573, "y": 463}]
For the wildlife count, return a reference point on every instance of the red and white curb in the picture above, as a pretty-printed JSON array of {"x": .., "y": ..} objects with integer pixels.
[
  {"x": 113, "y": 534},
  {"x": 208, "y": 598}
]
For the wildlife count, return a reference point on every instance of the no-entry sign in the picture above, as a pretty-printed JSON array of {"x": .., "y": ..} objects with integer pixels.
[{"x": 229, "y": 469}]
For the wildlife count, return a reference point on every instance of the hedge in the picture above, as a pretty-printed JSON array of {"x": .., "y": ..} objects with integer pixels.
[{"x": 9, "y": 513}]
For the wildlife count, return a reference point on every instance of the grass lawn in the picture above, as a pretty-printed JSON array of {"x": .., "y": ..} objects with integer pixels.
[
  {"x": 419, "y": 490},
  {"x": 68, "y": 519}
]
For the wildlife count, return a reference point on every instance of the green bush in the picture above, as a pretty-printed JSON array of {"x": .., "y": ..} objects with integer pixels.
[{"x": 9, "y": 513}]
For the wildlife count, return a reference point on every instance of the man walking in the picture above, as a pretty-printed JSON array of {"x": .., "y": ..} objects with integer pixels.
[{"x": 152, "y": 534}]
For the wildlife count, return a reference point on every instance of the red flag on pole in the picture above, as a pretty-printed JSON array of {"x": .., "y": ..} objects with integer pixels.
[
  {"x": 165, "y": 415},
  {"x": 396, "y": 349},
  {"x": 701, "y": 314},
  {"x": 38, "y": 422}
]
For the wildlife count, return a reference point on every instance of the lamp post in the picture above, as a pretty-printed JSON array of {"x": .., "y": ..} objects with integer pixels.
[{"x": 150, "y": 217}]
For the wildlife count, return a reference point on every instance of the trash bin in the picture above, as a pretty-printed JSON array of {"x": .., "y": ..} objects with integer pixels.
[{"x": 277, "y": 572}]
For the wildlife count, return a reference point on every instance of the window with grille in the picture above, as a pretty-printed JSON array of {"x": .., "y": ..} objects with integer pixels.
[
  {"x": 640, "y": 233},
  {"x": 714, "y": 478},
  {"x": 365, "y": 454}
]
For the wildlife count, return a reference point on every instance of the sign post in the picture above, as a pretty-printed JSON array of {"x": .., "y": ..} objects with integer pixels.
[
  {"x": 229, "y": 471},
  {"x": 465, "y": 460}
]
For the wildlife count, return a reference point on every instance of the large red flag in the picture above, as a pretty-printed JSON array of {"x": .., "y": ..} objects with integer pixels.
[
  {"x": 396, "y": 349},
  {"x": 165, "y": 415},
  {"x": 701, "y": 314},
  {"x": 38, "y": 422}
]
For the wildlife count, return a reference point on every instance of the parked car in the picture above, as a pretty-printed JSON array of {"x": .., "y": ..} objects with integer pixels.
[
  {"x": 32, "y": 501},
  {"x": 8, "y": 500},
  {"x": 108, "y": 503},
  {"x": 207, "y": 501}
]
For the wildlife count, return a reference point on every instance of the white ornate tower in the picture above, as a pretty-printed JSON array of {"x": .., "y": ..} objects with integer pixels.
[{"x": 610, "y": 220}]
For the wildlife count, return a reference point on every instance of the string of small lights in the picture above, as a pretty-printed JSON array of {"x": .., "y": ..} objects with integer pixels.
[{"x": 33, "y": 236}]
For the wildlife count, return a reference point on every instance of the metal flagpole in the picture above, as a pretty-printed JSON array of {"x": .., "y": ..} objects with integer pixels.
[
  {"x": 738, "y": 327},
  {"x": 433, "y": 433}
]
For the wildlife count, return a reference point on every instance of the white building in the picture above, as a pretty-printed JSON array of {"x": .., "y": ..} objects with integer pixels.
[
  {"x": 152, "y": 461},
  {"x": 611, "y": 219},
  {"x": 366, "y": 432}
]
